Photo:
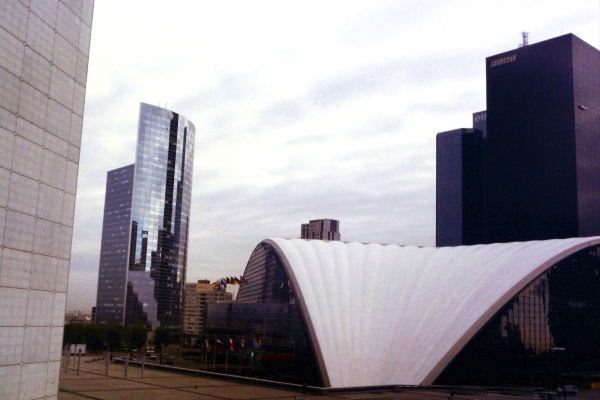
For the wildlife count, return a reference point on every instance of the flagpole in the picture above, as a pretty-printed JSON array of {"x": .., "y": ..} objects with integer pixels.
[
  {"x": 241, "y": 356},
  {"x": 205, "y": 351},
  {"x": 215, "y": 355},
  {"x": 226, "y": 354}
]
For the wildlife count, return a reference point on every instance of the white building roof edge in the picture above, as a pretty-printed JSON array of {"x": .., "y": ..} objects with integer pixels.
[{"x": 397, "y": 315}]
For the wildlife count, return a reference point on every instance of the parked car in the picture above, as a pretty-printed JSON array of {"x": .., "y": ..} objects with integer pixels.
[{"x": 567, "y": 390}]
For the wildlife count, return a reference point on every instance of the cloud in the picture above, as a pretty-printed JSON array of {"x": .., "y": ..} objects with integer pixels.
[
  {"x": 282, "y": 113},
  {"x": 302, "y": 111}
]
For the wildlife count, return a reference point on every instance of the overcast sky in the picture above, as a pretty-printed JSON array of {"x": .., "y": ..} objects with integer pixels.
[{"x": 303, "y": 110}]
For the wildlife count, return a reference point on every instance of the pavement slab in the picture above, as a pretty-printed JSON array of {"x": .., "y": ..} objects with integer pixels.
[
  {"x": 74, "y": 385},
  {"x": 184, "y": 381},
  {"x": 141, "y": 394},
  {"x": 92, "y": 383},
  {"x": 246, "y": 392}
]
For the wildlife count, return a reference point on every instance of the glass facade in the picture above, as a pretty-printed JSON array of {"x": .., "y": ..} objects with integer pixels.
[
  {"x": 540, "y": 169},
  {"x": 586, "y": 93},
  {"x": 267, "y": 318},
  {"x": 460, "y": 177},
  {"x": 543, "y": 110},
  {"x": 158, "y": 227},
  {"x": 480, "y": 122},
  {"x": 449, "y": 194},
  {"x": 112, "y": 274},
  {"x": 550, "y": 329}
]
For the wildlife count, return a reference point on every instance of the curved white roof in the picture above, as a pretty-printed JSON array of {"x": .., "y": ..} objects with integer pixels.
[{"x": 390, "y": 315}]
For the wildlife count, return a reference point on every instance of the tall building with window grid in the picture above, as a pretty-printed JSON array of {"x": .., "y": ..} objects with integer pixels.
[
  {"x": 196, "y": 296},
  {"x": 114, "y": 249},
  {"x": 321, "y": 229},
  {"x": 537, "y": 170},
  {"x": 143, "y": 283},
  {"x": 543, "y": 121}
]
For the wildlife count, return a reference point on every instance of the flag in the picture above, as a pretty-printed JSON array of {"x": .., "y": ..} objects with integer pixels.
[
  {"x": 215, "y": 284},
  {"x": 231, "y": 344},
  {"x": 257, "y": 343},
  {"x": 222, "y": 284},
  {"x": 217, "y": 343},
  {"x": 243, "y": 280},
  {"x": 207, "y": 345},
  {"x": 232, "y": 280},
  {"x": 243, "y": 344},
  {"x": 236, "y": 281}
]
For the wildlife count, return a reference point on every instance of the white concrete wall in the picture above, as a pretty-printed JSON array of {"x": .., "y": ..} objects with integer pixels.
[{"x": 44, "y": 50}]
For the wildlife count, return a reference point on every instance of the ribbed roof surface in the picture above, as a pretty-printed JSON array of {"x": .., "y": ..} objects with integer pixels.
[{"x": 389, "y": 315}]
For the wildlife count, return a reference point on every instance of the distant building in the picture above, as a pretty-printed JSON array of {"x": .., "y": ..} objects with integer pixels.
[
  {"x": 77, "y": 317},
  {"x": 480, "y": 122},
  {"x": 322, "y": 229},
  {"x": 196, "y": 295}
]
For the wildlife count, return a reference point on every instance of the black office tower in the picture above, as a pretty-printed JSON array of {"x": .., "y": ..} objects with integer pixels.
[
  {"x": 459, "y": 188},
  {"x": 540, "y": 171},
  {"x": 543, "y": 131}
]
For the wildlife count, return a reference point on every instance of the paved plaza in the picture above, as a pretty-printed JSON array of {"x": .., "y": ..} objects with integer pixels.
[{"x": 93, "y": 383}]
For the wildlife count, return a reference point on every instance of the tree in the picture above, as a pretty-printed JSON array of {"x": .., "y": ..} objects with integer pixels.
[
  {"x": 74, "y": 334},
  {"x": 124, "y": 333},
  {"x": 94, "y": 336},
  {"x": 69, "y": 334},
  {"x": 114, "y": 337},
  {"x": 137, "y": 336},
  {"x": 162, "y": 338}
]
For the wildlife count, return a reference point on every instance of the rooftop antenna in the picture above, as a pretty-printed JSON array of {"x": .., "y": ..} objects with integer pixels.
[{"x": 525, "y": 39}]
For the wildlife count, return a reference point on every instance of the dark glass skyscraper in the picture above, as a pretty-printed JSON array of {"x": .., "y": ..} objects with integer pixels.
[
  {"x": 480, "y": 122},
  {"x": 157, "y": 227},
  {"x": 543, "y": 107},
  {"x": 541, "y": 165},
  {"x": 459, "y": 174}
]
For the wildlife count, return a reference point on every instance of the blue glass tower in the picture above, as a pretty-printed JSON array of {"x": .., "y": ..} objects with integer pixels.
[
  {"x": 159, "y": 223},
  {"x": 112, "y": 276}
]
